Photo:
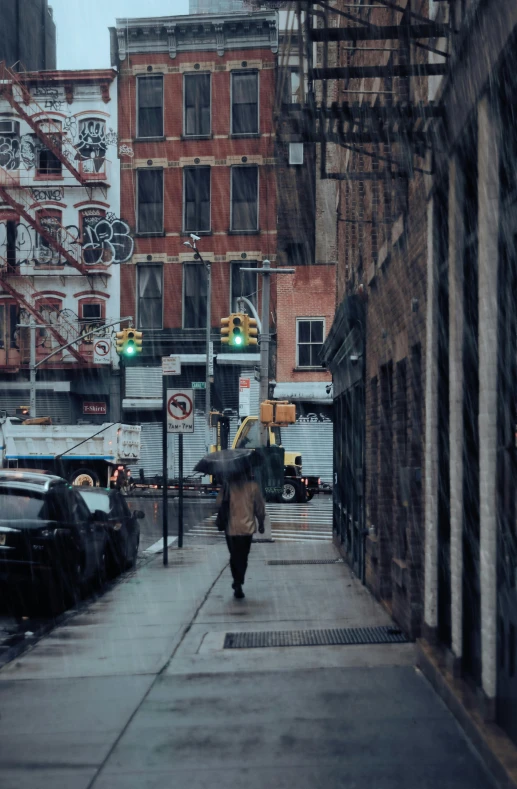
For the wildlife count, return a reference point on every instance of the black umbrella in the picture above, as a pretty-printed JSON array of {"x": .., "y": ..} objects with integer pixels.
[{"x": 229, "y": 462}]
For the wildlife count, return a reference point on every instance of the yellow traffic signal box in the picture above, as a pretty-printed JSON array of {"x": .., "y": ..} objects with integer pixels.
[
  {"x": 266, "y": 412},
  {"x": 225, "y": 331},
  {"x": 120, "y": 340}
]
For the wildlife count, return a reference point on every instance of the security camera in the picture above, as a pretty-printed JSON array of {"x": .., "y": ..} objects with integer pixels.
[
  {"x": 328, "y": 388},
  {"x": 194, "y": 237},
  {"x": 187, "y": 244}
]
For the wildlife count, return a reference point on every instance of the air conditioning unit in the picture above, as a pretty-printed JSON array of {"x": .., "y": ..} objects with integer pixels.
[{"x": 9, "y": 126}]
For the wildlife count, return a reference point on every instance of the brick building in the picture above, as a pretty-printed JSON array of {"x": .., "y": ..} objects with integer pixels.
[
  {"x": 197, "y": 156},
  {"x": 61, "y": 239}
]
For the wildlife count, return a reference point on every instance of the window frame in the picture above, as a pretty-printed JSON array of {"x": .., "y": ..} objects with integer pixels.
[
  {"x": 139, "y": 78},
  {"x": 42, "y": 214},
  {"x": 56, "y": 175},
  {"x": 140, "y": 267},
  {"x": 183, "y": 311},
  {"x": 247, "y": 264},
  {"x": 242, "y": 167},
  {"x": 196, "y": 135},
  {"x": 240, "y": 72},
  {"x": 149, "y": 233},
  {"x": 298, "y": 321},
  {"x": 186, "y": 229}
]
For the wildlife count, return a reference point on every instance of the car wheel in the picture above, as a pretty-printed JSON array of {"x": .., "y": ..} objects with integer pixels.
[
  {"x": 132, "y": 559},
  {"x": 84, "y": 477},
  {"x": 289, "y": 493}
]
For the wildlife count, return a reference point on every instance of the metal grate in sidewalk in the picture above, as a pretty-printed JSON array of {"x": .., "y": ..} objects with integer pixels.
[
  {"x": 346, "y": 636},
  {"x": 277, "y": 562}
]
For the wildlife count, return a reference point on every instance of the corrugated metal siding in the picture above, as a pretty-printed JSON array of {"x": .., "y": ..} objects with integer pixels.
[
  {"x": 143, "y": 382},
  {"x": 57, "y": 405},
  {"x": 150, "y": 450},
  {"x": 314, "y": 441},
  {"x": 194, "y": 447}
]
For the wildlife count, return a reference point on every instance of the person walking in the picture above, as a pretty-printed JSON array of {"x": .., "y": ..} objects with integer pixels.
[{"x": 241, "y": 502}]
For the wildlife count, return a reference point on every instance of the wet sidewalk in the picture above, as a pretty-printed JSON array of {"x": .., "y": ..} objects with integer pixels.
[{"x": 139, "y": 692}]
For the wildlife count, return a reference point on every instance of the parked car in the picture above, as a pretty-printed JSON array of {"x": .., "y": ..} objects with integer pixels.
[
  {"x": 120, "y": 524},
  {"x": 51, "y": 545}
]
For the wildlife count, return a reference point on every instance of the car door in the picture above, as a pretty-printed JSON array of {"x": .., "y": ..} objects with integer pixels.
[
  {"x": 119, "y": 515},
  {"x": 92, "y": 531},
  {"x": 71, "y": 550}
]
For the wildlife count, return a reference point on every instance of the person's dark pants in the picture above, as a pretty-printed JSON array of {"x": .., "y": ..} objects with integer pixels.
[{"x": 239, "y": 546}]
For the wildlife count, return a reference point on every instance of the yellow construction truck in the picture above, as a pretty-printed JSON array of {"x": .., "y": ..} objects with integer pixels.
[{"x": 297, "y": 488}]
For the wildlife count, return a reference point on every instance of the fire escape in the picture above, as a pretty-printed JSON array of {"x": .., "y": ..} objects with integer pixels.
[
  {"x": 383, "y": 55},
  {"x": 14, "y": 192}
]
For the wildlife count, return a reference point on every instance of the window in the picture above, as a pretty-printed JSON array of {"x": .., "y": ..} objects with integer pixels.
[
  {"x": 91, "y": 315},
  {"x": 48, "y": 162},
  {"x": 245, "y": 113},
  {"x": 296, "y": 153},
  {"x": 196, "y": 190},
  {"x": 150, "y": 106},
  {"x": 194, "y": 296},
  {"x": 46, "y": 254},
  {"x": 150, "y": 298},
  {"x": 197, "y": 104},
  {"x": 92, "y": 144},
  {"x": 309, "y": 334},
  {"x": 244, "y": 198},
  {"x": 244, "y": 283},
  {"x": 150, "y": 201}
]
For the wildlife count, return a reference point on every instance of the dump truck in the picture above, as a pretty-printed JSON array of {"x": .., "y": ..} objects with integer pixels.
[
  {"x": 297, "y": 487},
  {"x": 83, "y": 454}
]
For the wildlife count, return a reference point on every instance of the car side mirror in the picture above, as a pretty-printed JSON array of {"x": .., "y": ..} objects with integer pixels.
[
  {"x": 139, "y": 514},
  {"x": 101, "y": 516}
]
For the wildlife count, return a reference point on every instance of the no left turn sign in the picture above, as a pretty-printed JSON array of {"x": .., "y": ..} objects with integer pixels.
[
  {"x": 180, "y": 411},
  {"x": 102, "y": 351}
]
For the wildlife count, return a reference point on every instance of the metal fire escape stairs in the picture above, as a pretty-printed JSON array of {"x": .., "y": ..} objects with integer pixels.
[
  {"x": 381, "y": 120},
  {"x": 13, "y": 89}
]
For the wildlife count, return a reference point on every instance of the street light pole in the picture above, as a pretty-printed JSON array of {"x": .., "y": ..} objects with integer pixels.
[
  {"x": 208, "y": 343},
  {"x": 32, "y": 368}
]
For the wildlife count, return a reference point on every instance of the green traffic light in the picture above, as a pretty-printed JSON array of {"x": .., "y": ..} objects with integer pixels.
[
  {"x": 238, "y": 340},
  {"x": 130, "y": 350}
]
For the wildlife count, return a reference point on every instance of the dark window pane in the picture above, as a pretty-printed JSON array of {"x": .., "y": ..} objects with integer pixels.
[
  {"x": 197, "y": 198},
  {"x": 195, "y": 296},
  {"x": 304, "y": 331},
  {"x": 150, "y": 306},
  {"x": 244, "y": 283},
  {"x": 244, "y": 198},
  {"x": 197, "y": 104},
  {"x": 245, "y": 103},
  {"x": 304, "y": 355},
  {"x": 150, "y": 106},
  {"x": 150, "y": 201},
  {"x": 317, "y": 331},
  {"x": 315, "y": 355},
  {"x": 91, "y": 311}
]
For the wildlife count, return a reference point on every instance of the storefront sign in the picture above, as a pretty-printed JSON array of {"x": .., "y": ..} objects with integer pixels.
[{"x": 95, "y": 408}]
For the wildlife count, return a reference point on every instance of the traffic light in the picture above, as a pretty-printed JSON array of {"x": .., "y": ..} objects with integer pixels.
[
  {"x": 237, "y": 333},
  {"x": 133, "y": 342},
  {"x": 251, "y": 331},
  {"x": 120, "y": 339},
  {"x": 225, "y": 331}
]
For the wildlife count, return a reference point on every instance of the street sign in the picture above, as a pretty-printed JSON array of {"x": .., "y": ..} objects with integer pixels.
[
  {"x": 180, "y": 411},
  {"x": 198, "y": 384},
  {"x": 171, "y": 365},
  {"x": 211, "y": 359},
  {"x": 244, "y": 396},
  {"x": 102, "y": 351}
]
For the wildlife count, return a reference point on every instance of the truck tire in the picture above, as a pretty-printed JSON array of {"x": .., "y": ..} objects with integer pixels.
[
  {"x": 310, "y": 495},
  {"x": 86, "y": 477},
  {"x": 293, "y": 492}
]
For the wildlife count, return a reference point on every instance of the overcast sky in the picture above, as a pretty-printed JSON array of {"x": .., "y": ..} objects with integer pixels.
[{"x": 82, "y": 26}]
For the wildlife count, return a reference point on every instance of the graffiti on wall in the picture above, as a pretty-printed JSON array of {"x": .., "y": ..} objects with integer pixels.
[
  {"x": 106, "y": 240},
  {"x": 56, "y": 193},
  {"x": 50, "y": 96},
  {"x": 9, "y": 152}
]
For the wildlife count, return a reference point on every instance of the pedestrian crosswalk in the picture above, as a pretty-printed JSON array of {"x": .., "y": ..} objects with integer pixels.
[{"x": 310, "y": 522}]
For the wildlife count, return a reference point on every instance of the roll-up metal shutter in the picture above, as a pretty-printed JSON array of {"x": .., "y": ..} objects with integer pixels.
[
  {"x": 194, "y": 447},
  {"x": 314, "y": 441},
  {"x": 150, "y": 451},
  {"x": 57, "y": 405},
  {"x": 143, "y": 381}
]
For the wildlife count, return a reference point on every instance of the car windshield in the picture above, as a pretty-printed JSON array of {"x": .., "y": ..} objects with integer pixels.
[
  {"x": 95, "y": 501},
  {"x": 249, "y": 438},
  {"x": 19, "y": 506}
]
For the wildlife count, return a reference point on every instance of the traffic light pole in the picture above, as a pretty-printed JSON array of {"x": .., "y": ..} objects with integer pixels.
[{"x": 265, "y": 337}]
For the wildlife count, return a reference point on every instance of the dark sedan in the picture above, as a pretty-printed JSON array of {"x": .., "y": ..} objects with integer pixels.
[
  {"x": 121, "y": 526},
  {"x": 50, "y": 544}
]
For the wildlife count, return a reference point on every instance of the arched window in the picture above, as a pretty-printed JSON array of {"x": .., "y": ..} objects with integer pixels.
[
  {"x": 92, "y": 145},
  {"x": 46, "y": 254}
]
